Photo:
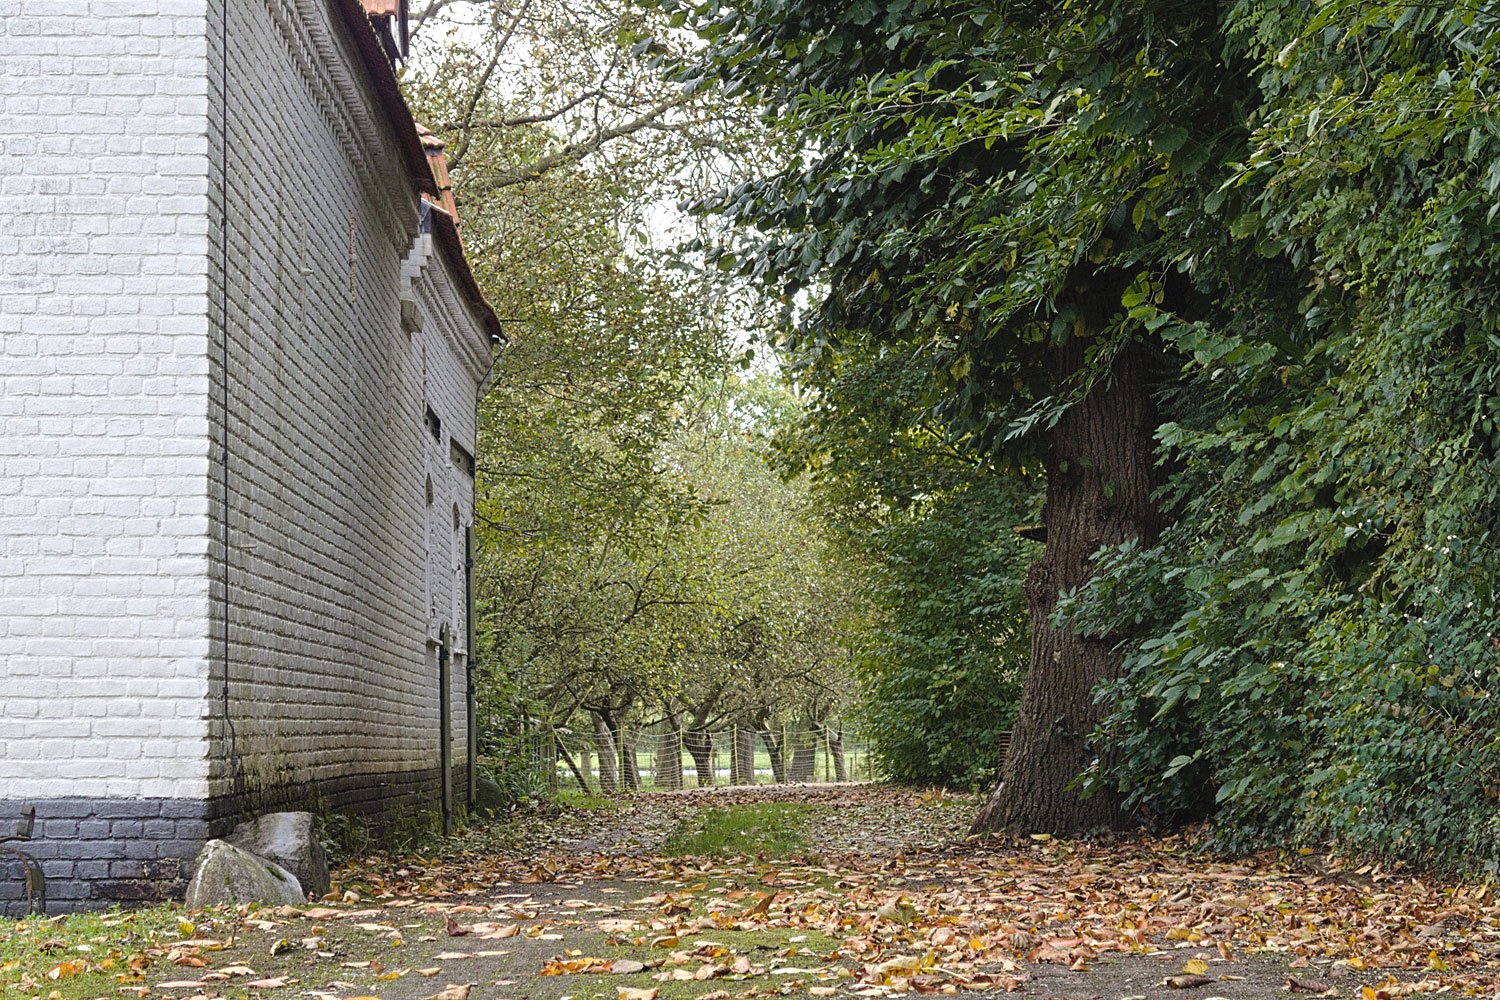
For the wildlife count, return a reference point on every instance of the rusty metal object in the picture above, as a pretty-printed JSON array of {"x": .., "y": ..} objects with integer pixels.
[{"x": 36, "y": 883}]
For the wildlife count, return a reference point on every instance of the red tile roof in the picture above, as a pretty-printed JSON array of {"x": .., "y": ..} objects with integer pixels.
[{"x": 388, "y": 91}]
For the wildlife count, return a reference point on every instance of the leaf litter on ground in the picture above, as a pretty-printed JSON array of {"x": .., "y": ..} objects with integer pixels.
[{"x": 896, "y": 901}]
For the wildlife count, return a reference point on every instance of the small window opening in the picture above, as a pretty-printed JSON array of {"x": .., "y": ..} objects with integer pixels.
[
  {"x": 461, "y": 457},
  {"x": 429, "y": 491},
  {"x": 457, "y": 518},
  {"x": 434, "y": 426}
]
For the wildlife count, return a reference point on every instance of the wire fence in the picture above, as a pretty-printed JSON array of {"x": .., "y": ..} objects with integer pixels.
[{"x": 652, "y": 759}]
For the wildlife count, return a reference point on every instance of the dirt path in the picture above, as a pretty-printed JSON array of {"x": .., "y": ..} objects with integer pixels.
[{"x": 886, "y": 898}]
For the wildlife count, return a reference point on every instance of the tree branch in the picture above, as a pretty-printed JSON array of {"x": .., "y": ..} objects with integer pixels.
[{"x": 573, "y": 152}]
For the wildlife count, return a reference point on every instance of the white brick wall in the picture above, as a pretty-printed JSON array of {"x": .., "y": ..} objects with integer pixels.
[
  {"x": 455, "y": 359},
  {"x": 166, "y": 484},
  {"x": 104, "y": 382},
  {"x": 330, "y": 676}
]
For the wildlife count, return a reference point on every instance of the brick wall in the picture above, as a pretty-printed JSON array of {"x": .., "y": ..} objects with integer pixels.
[
  {"x": 104, "y": 520},
  {"x": 103, "y": 398},
  {"x": 214, "y": 532},
  {"x": 332, "y": 687}
]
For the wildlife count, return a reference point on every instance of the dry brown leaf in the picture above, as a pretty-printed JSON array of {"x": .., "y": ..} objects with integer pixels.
[
  {"x": 1187, "y": 982},
  {"x": 453, "y": 991},
  {"x": 317, "y": 913},
  {"x": 1295, "y": 985}
]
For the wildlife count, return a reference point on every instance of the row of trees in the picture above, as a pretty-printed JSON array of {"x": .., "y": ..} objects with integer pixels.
[
  {"x": 640, "y": 566},
  {"x": 1219, "y": 277}
]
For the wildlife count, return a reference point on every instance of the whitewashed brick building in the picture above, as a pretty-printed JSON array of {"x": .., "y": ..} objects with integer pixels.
[{"x": 240, "y": 357}]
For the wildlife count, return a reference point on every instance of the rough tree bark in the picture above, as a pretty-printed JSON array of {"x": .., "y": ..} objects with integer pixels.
[
  {"x": 772, "y": 739},
  {"x": 699, "y": 743},
  {"x": 1100, "y": 476},
  {"x": 604, "y": 740},
  {"x": 630, "y": 762},
  {"x": 836, "y": 751}
]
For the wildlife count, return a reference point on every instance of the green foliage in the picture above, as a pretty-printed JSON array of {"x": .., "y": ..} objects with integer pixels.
[
  {"x": 1322, "y": 660},
  {"x": 343, "y": 837},
  {"x": 636, "y": 559},
  {"x": 1296, "y": 205},
  {"x": 942, "y": 672}
]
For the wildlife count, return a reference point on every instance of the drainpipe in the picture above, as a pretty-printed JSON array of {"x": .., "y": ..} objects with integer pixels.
[
  {"x": 445, "y": 725},
  {"x": 472, "y": 685}
]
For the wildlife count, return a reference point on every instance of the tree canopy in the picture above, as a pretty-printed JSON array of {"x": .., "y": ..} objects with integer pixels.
[{"x": 1274, "y": 220}]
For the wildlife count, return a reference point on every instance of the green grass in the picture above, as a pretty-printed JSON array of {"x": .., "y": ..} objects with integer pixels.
[
  {"x": 773, "y": 829},
  {"x": 573, "y": 798},
  {"x": 92, "y": 954}
]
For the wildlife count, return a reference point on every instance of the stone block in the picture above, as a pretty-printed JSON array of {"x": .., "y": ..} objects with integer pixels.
[
  {"x": 227, "y": 874},
  {"x": 290, "y": 840}
]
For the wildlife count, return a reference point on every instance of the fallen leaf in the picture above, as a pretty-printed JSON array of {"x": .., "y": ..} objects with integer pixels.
[
  {"x": 1187, "y": 982},
  {"x": 67, "y": 970},
  {"x": 452, "y": 992},
  {"x": 321, "y": 913},
  {"x": 627, "y": 966},
  {"x": 429, "y": 972},
  {"x": 627, "y": 993},
  {"x": 275, "y": 983},
  {"x": 1195, "y": 967},
  {"x": 1295, "y": 985}
]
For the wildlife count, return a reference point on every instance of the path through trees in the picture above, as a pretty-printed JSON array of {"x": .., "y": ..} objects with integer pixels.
[{"x": 872, "y": 892}]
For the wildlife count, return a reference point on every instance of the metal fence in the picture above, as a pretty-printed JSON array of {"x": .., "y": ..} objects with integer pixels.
[{"x": 659, "y": 758}]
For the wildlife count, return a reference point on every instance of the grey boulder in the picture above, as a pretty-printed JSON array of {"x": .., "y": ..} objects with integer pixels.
[
  {"x": 227, "y": 874},
  {"x": 290, "y": 840},
  {"x": 489, "y": 798}
]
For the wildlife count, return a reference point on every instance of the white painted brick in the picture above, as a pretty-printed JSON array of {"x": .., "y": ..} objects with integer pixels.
[
  {"x": 91, "y": 88},
  {"x": 113, "y": 483}
]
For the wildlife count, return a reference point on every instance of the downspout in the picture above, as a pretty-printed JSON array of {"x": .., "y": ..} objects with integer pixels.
[
  {"x": 471, "y": 713},
  {"x": 236, "y": 769},
  {"x": 445, "y": 726}
]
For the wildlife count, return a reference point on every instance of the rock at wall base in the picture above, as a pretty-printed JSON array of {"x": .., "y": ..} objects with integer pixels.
[
  {"x": 290, "y": 840},
  {"x": 489, "y": 799},
  {"x": 227, "y": 874}
]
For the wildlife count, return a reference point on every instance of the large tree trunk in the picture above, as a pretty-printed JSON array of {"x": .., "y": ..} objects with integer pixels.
[
  {"x": 700, "y": 745},
  {"x": 1100, "y": 477},
  {"x": 604, "y": 740},
  {"x": 669, "y": 757},
  {"x": 630, "y": 762},
  {"x": 836, "y": 751},
  {"x": 775, "y": 749}
]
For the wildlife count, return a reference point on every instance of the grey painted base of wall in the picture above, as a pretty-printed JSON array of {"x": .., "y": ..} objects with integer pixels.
[{"x": 99, "y": 852}]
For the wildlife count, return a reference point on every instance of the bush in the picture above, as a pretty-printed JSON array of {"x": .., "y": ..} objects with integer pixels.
[{"x": 942, "y": 676}]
